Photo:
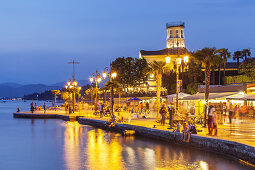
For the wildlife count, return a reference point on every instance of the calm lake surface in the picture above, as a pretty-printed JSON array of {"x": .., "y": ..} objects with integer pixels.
[{"x": 54, "y": 144}]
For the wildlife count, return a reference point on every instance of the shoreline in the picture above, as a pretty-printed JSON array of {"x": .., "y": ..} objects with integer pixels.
[{"x": 231, "y": 148}]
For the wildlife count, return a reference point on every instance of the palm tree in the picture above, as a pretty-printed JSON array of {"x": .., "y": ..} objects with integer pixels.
[
  {"x": 94, "y": 91},
  {"x": 207, "y": 57},
  {"x": 104, "y": 90},
  {"x": 55, "y": 92},
  {"x": 158, "y": 68},
  {"x": 237, "y": 56},
  {"x": 111, "y": 85},
  {"x": 224, "y": 55},
  {"x": 246, "y": 53}
]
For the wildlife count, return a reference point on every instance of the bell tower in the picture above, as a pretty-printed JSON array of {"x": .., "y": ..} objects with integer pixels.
[{"x": 175, "y": 35}]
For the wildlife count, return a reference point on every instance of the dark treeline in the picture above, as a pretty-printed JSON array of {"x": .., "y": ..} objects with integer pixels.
[{"x": 47, "y": 95}]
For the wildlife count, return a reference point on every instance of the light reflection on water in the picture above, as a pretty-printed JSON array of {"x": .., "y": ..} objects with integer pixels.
[
  {"x": 55, "y": 144},
  {"x": 90, "y": 148}
]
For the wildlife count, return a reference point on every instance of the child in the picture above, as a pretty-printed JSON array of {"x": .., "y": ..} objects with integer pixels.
[
  {"x": 185, "y": 131},
  {"x": 178, "y": 127}
]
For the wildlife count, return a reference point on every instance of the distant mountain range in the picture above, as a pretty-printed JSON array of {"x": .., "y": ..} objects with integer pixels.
[{"x": 14, "y": 90}]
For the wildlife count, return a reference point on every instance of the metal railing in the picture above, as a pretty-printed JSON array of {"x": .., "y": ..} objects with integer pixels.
[{"x": 175, "y": 24}]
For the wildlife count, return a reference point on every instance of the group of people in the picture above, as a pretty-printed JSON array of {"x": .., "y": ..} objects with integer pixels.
[
  {"x": 112, "y": 121},
  {"x": 229, "y": 111},
  {"x": 187, "y": 130},
  {"x": 104, "y": 110},
  {"x": 34, "y": 107},
  {"x": 164, "y": 111},
  {"x": 134, "y": 107}
]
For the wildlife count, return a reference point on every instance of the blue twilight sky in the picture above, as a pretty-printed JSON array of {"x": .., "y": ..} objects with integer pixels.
[{"x": 39, "y": 37}]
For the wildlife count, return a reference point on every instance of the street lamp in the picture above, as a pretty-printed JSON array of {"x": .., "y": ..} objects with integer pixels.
[
  {"x": 178, "y": 62},
  {"x": 104, "y": 74},
  {"x": 95, "y": 77},
  {"x": 73, "y": 88},
  {"x": 112, "y": 75}
]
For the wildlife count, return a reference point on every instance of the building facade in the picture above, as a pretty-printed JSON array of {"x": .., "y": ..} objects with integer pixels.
[{"x": 175, "y": 48}]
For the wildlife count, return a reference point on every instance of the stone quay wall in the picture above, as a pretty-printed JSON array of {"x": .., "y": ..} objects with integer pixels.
[{"x": 41, "y": 116}]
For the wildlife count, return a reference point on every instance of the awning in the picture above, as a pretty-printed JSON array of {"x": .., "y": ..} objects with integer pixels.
[
  {"x": 201, "y": 96},
  {"x": 180, "y": 95},
  {"x": 242, "y": 97},
  {"x": 134, "y": 99}
]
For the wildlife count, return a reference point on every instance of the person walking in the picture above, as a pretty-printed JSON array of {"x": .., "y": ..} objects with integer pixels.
[
  {"x": 210, "y": 119},
  {"x": 215, "y": 125},
  {"x": 163, "y": 112}
]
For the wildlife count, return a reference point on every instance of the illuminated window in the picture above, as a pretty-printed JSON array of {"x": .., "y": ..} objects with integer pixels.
[
  {"x": 182, "y": 34},
  {"x": 171, "y": 33},
  {"x": 176, "y": 33}
]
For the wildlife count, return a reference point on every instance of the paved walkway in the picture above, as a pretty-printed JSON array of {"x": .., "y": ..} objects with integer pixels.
[{"x": 239, "y": 131}]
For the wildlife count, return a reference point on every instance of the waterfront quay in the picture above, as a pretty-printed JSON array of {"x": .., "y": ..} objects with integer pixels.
[{"x": 236, "y": 141}]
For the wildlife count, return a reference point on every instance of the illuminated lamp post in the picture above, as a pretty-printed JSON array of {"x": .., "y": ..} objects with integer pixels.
[
  {"x": 112, "y": 75},
  {"x": 95, "y": 77},
  {"x": 178, "y": 62},
  {"x": 91, "y": 79},
  {"x": 73, "y": 88}
]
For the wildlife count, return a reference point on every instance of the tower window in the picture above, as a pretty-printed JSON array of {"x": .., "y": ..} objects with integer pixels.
[
  {"x": 171, "y": 34},
  {"x": 182, "y": 35},
  {"x": 176, "y": 33}
]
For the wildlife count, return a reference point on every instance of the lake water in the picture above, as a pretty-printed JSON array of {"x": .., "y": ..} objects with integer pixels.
[{"x": 54, "y": 144}]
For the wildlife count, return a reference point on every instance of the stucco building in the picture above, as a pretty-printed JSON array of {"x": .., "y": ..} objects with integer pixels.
[{"x": 175, "y": 48}]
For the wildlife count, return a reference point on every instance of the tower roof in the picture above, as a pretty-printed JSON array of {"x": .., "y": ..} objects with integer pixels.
[{"x": 175, "y": 24}]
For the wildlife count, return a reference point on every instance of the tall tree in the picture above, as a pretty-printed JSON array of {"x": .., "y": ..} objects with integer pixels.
[
  {"x": 131, "y": 72},
  {"x": 224, "y": 54},
  {"x": 158, "y": 68},
  {"x": 237, "y": 56},
  {"x": 141, "y": 70},
  {"x": 207, "y": 57},
  {"x": 246, "y": 53}
]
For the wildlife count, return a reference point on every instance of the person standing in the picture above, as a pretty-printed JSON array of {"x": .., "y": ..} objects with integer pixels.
[
  {"x": 171, "y": 114},
  {"x": 44, "y": 107},
  {"x": 147, "y": 106},
  {"x": 101, "y": 109},
  {"x": 70, "y": 109},
  {"x": 163, "y": 112},
  {"x": 230, "y": 111},
  {"x": 32, "y": 107}
]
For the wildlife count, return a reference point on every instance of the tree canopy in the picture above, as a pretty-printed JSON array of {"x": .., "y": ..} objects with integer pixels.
[
  {"x": 131, "y": 72},
  {"x": 248, "y": 68}
]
